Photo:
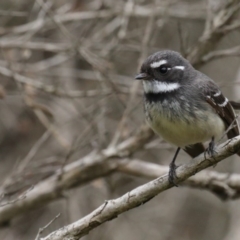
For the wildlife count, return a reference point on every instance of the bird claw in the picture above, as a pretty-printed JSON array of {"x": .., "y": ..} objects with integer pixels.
[{"x": 211, "y": 149}]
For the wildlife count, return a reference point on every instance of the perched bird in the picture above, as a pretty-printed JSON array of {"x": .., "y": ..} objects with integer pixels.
[{"x": 184, "y": 106}]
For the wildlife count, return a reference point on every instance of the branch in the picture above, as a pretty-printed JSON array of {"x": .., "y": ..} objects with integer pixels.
[
  {"x": 13, "y": 13},
  {"x": 73, "y": 174},
  {"x": 76, "y": 173},
  {"x": 186, "y": 11},
  {"x": 40, "y": 231},
  {"x": 213, "y": 32},
  {"x": 234, "y": 26},
  {"x": 224, "y": 185},
  {"x": 56, "y": 91},
  {"x": 100, "y": 164},
  {"x": 140, "y": 195},
  {"x": 39, "y": 46},
  {"x": 234, "y": 51}
]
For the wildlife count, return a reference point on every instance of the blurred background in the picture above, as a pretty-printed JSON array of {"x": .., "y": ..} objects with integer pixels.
[{"x": 67, "y": 91}]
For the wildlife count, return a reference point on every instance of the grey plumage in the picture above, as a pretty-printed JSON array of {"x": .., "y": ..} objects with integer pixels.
[
  {"x": 183, "y": 105},
  {"x": 183, "y": 116}
]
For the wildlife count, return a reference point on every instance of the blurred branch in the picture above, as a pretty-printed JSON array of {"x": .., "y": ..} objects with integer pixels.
[
  {"x": 13, "y": 13},
  {"x": 185, "y": 11},
  {"x": 234, "y": 51},
  {"x": 41, "y": 230},
  {"x": 136, "y": 84},
  {"x": 140, "y": 195},
  {"x": 212, "y": 33},
  {"x": 50, "y": 89},
  {"x": 39, "y": 46},
  {"x": 26, "y": 160},
  {"x": 53, "y": 187},
  {"x": 99, "y": 164},
  {"x": 224, "y": 185},
  {"x": 107, "y": 161},
  {"x": 14, "y": 201},
  {"x": 128, "y": 9},
  {"x": 234, "y": 26}
]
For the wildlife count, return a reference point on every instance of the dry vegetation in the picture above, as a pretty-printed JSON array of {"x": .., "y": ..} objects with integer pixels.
[{"x": 72, "y": 130}]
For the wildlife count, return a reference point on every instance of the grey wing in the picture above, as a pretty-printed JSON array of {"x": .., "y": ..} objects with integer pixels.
[{"x": 223, "y": 108}]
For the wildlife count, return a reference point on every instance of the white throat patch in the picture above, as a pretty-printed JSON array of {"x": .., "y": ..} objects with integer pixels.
[{"x": 159, "y": 87}]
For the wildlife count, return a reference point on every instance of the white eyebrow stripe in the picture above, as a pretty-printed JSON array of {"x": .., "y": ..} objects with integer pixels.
[
  {"x": 159, "y": 87},
  {"x": 217, "y": 94},
  {"x": 158, "y": 64},
  {"x": 179, "y": 67},
  {"x": 224, "y": 103}
]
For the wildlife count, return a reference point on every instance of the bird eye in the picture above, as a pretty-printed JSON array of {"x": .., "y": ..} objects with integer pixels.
[{"x": 163, "y": 69}]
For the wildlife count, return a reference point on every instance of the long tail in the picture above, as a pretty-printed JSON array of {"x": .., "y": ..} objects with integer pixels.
[
  {"x": 194, "y": 150},
  {"x": 235, "y": 105}
]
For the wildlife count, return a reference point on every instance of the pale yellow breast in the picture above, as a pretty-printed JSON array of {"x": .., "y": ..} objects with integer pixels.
[{"x": 182, "y": 133}]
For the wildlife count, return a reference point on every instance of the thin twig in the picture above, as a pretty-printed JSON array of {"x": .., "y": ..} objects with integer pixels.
[
  {"x": 41, "y": 230},
  {"x": 139, "y": 195}
]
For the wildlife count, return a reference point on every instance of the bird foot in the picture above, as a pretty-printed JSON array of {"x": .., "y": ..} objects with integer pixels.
[{"x": 211, "y": 149}]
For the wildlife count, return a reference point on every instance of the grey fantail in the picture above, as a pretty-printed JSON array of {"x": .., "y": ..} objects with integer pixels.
[{"x": 184, "y": 106}]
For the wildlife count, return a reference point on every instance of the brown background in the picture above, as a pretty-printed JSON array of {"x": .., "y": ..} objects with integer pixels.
[{"x": 87, "y": 123}]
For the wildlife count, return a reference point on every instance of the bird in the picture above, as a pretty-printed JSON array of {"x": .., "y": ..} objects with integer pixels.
[{"x": 184, "y": 106}]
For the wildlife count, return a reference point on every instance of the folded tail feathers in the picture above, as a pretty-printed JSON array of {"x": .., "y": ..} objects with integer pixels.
[
  {"x": 235, "y": 105},
  {"x": 194, "y": 150}
]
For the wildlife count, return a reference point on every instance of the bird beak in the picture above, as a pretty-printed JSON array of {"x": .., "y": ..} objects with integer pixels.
[{"x": 142, "y": 76}]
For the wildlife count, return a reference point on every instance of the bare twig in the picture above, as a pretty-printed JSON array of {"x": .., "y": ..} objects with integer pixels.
[
  {"x": 234, "y": 51},
  {"x": 39, "y": 46},
  {"x": 234, "y": 26},
  {"x": 33, "y": 151},
  {"x": 19, "y": 198},
  {"x": 78, "y": 172},
  {"x": 112, "y": 208},
  {"x": 41, "y": 230},
  {"x": 50, "y": 89},
  {"x": 13, "y": 13},
  {"x": 51, "y": 188},
  {"x": 186, "y": 11},
  {"x": 212, "y": 33},
  {"x": 93, "y": 48},
  {"x": 223, "y": 185},
  {"x": 135, "y": 86}
]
